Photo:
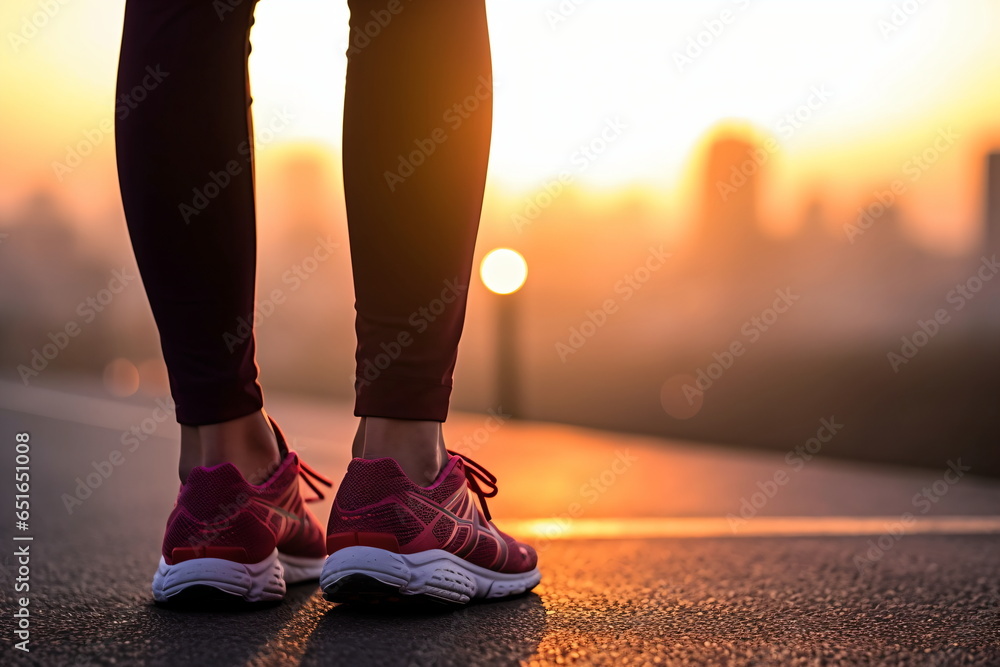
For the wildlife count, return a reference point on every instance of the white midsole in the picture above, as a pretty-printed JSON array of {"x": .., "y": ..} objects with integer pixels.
[
  {"x": 299, "y": 569},
  {"x": 436, "y": 573},
  {"x": 254, "y": 582}
]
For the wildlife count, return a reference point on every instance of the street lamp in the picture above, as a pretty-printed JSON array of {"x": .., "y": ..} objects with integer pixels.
[{"x": 504, "y": 271}]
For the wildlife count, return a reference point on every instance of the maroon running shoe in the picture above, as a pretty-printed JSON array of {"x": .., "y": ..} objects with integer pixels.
[
  {"x": 389, "y": 538},
  {"x": 228, "y": 539}
]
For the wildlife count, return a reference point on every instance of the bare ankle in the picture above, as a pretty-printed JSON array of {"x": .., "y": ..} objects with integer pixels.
[
  {"x": 358, "y": 446},
  {"x": 247, "y": 442},
  {"x": 190, "y": 451},
  {"x": 417, "y": 446}
]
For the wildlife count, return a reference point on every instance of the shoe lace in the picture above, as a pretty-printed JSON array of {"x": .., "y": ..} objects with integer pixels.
[
  {"x": 308, "y": 475},
  {"x": 474, "y": 474}
]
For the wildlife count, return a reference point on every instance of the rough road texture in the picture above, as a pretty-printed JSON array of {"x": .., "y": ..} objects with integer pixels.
[{"x": 929, "y": 600}]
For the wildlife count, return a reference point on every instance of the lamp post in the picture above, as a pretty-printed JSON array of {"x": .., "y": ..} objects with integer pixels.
[{"x": 504, "y": 271}]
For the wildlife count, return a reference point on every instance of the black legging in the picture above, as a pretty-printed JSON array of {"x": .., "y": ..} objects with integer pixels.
[{"x": 417, "y": 125}]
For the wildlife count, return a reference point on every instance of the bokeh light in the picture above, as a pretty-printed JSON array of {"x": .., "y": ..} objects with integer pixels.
[
  {"x": 680, "y": 397},
  {"x": 121, "y": 378},
  {"x": 503, "y": 271},
  {"x": 153, "y": 379}
]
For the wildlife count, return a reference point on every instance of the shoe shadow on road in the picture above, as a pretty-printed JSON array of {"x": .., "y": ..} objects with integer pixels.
[
  {"x": 501, "y": 632},
  {"x": 305, "y": 629},
  {"x": 225, "y": 634}
]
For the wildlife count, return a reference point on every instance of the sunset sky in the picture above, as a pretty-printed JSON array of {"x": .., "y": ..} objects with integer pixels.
[{"x": 880, "y": 94}]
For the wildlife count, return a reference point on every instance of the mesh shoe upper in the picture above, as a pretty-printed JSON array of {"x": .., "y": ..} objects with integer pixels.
[
  {"x": 219, "y": 514},
  {"x": 380, "y": 503}
]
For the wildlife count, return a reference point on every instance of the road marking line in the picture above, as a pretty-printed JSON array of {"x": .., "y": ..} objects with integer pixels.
[
  {"x": 779, "y": 526},
  {"x": 118, "y": 415}
]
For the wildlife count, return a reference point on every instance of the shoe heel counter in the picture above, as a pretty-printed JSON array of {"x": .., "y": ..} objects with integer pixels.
[
  {"x": 370, "y": 509},
  {"x": 385, "y": 541},
  {"x": 240, "y": 537}
]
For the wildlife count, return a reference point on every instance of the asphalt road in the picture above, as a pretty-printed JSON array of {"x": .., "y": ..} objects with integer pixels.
[
  {"x": 926, "y": 599},
  {"x": 930, "y": 601}
]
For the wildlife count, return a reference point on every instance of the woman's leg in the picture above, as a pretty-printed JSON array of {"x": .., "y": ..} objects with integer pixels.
[
  {"x": 185, "y": 166},
  {"x": 417, "y": 127}
]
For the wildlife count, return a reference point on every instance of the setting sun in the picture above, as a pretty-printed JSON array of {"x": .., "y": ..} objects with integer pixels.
[
  {"x": 749, "y": 392},
  {"x": 848, "y": 92}
]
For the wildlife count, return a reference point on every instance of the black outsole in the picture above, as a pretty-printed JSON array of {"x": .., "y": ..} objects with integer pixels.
[
  {"x": 210, "y": 598},
  {"x": 364, "y": 590}
]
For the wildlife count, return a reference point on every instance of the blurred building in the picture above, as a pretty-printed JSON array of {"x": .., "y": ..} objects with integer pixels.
[
  {"x": 729, "y": 232},
  {"x": 992, "y": 236}
]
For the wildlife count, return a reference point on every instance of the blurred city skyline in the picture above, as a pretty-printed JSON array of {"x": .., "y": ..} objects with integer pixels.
[
  {"x": 857, "y": 290},
  {"x": 727, "y": 249},
  {"x": 849, "y": 94}
]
